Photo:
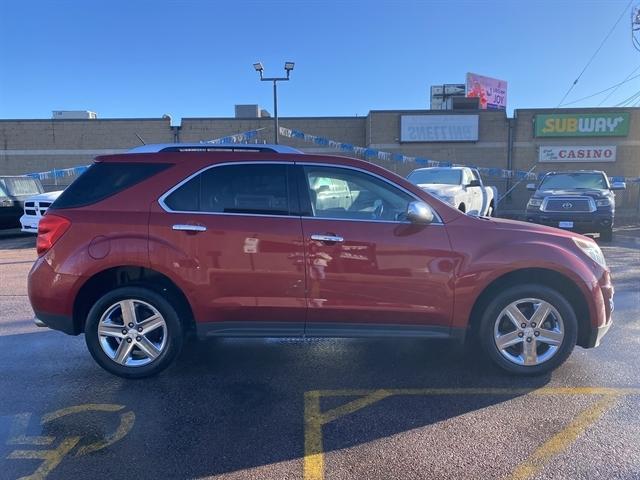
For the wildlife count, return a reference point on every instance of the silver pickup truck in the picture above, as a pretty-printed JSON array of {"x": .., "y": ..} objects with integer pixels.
[{"x": 461, "y": 187}]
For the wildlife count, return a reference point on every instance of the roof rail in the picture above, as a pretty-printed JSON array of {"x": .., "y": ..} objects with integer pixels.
[{"x": 209, "y": 147}]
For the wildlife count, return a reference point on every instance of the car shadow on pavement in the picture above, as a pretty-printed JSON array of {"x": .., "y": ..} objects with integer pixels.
[{"x": 242, "y": 400}]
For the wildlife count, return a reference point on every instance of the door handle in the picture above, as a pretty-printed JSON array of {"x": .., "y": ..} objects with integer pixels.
[
  {"x": 327, "y": 238},
  {"x": 189, "y": 228}
]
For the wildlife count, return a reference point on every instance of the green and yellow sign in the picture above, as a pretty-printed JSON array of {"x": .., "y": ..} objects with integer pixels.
[{"x": 582, "y": 125}]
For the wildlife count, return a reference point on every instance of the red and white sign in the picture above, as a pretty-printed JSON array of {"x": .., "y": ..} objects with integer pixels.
[
  {"x": 589, "y": 153},
  {"x": 491, "y": 91}
]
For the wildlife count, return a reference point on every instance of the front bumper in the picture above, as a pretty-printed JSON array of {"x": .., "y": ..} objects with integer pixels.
[
  {"x": 583, "y": 222},
  {"x": 29, "y": 223}
]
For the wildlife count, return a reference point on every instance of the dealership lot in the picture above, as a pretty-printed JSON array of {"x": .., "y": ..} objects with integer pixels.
[{"x": 348, "y": 408}]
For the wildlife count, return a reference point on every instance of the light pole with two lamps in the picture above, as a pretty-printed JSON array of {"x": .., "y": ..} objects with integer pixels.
[{"x": 288, "y": 66}]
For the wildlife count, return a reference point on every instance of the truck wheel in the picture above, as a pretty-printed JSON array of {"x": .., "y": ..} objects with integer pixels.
[
  {"x": 528, "y": 329},
  {"x": 133, "y": 332},
  {"x": 462, "y": 208},
  {"x": 606, "y": 235},
  {"x": 490, "y": 210}
]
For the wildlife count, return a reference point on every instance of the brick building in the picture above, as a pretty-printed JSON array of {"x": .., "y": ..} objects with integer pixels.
[{"x": 547, "y": 139}]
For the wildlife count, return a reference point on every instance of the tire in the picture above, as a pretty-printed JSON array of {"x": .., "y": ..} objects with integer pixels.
[
  {"x": 462, "y": 208},
  {"x": 490, "y": 210},
  {"x": 606, "y": 235},
  {"x": 559, "y": 329},
  {"x": 162, "y": 340}
]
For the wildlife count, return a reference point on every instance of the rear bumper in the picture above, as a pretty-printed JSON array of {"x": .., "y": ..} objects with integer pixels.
[
  {"x": 62, "y": 323},
  {"x": 583, "y": 222},
  {"x": 51, "y": 296}
]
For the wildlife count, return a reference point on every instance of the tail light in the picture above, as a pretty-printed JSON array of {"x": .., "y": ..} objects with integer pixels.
[{"x": 50, "y": 229}]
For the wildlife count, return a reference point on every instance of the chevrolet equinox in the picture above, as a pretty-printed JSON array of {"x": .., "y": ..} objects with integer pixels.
[{"x": 148, "y": 246}]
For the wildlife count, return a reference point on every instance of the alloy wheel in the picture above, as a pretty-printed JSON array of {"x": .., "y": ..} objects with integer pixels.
[
  {"x": 529, "y": 331},
  {"x": 132, "y": 333}
]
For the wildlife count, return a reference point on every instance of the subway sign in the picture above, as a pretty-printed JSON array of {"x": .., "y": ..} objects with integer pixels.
[{"x": 582, "y": 125}]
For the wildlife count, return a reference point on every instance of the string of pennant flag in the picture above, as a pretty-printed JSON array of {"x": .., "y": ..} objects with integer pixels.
[
  {"x": 347, "y": 148},
  {"x": 369, "y": 153},
  {"x": 243, "y": 137}
]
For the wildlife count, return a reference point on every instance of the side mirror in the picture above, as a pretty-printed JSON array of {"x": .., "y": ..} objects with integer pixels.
[
  {"x": 618, "y": 186},
  {"x": 474, "y": 183},
  {"x": 531, "y": 187},
  {"x": 420, "y": 213}
]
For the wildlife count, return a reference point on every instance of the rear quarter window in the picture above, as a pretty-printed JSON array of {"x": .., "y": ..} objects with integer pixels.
[{"x": 103, "y": 180}]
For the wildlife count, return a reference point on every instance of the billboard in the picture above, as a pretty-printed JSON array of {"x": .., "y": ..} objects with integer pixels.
[
  {"x": 582, "y": 125},
  {"x": 586, "y": 153},
  {"x": 439, "y": 128},
  {"x": 491, "y": 91}
]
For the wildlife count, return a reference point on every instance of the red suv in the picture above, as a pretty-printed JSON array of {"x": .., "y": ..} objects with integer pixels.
[{"x": 144, "y": 248}]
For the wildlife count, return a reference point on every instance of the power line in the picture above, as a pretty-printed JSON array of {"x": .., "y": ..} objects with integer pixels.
[
  {"x": 616, "y": 88},
  {"x": 612, "y": 87},
  {"x": 595, "y": 53},
  {"x": 628, "y": 100}
]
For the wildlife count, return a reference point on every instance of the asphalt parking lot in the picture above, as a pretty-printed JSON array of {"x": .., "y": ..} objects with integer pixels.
[{"x": 317, "y": 409}]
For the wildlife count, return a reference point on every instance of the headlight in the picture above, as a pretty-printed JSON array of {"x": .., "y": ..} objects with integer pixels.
[
  {"x": 534, "y": 202},
  {"x": 591, "y": 250},
  {"x": 604, "y": 202}
]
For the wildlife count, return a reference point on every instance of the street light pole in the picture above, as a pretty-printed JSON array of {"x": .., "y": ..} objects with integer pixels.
[{"x": 288, "y": 66}]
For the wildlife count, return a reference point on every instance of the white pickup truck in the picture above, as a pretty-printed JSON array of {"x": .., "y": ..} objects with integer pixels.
[{"x": 461, "y": 187}]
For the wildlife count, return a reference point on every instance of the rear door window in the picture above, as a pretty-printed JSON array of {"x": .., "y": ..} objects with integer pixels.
[{"x": 242, "y": 189}]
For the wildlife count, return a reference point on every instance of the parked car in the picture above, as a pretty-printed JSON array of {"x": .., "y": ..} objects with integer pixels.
[
  {"x": 14, "y": 190},
  {"x": 34, "y": 208},
  {"x": 580, "y": 200},
  {"x": 461, "y": 187},
  {"x": 144, "y": 248}
]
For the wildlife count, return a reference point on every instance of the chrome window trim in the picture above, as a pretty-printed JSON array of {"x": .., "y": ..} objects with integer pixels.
[
  {"x": 163, "y": 197},
  {"x": 165, "y": 207},
  {"x": 590, "y": 201}
]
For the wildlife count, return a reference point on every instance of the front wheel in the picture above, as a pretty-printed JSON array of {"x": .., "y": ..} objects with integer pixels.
[
  {"x": 528, "y": 329},
  {"x": 606, "y": 235},
  {"x": 133, "y": 332}
]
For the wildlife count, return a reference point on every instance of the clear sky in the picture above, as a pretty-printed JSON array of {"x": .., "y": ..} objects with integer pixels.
[{"x": 194, "y": 58}]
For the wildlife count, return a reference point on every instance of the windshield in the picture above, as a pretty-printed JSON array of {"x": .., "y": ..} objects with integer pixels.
[
  {"x": 20, "y": 186},
  {"x": 437, "y": 175},
  {"x": 574, "y": 180}
]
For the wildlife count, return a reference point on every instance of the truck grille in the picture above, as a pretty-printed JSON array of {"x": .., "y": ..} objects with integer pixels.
[
  {"x": 568, "y": 204},
  {"x": 36, "y": 209}
]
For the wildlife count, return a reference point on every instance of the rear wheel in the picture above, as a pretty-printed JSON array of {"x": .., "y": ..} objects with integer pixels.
[
  {"x": 462, "y": 208},
  {"x": 528, "y": 329},
  {"x": 133, "y": 332}
]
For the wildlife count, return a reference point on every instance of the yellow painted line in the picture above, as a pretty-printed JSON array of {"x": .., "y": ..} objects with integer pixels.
[
  {"x": 315, "y": 419},
  {"x": 18, "y": 432},
  {"x": 562, "y": 440},
  {"x": 51, "y": 458},
  {"x": 88, "y": 407},
  {"x": 488, "y": 391},
  {"x": 313, "y": 466},
  {"x": 126, "y": 424}
]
